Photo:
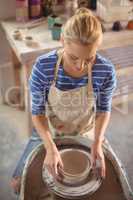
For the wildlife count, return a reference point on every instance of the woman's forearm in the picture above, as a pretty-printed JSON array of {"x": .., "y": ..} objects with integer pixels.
[
  {"x": 41, "y": 124},
  {"x": 101, "y": 124}
]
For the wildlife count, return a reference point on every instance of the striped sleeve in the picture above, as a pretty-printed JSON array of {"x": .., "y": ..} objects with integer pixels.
[
  {"x": 105, "y": 93},
  {"x": 38, "y": 89}
]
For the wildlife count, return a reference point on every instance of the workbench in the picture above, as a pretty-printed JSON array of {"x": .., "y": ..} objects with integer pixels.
[{"x": 24, "y": 56}]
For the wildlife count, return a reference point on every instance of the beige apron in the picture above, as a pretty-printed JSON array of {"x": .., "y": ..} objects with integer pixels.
[{"x": 71, "y": 112}]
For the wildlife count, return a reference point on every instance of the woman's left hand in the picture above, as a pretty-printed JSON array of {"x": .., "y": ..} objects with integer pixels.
[{"x": 97, "y": 154}]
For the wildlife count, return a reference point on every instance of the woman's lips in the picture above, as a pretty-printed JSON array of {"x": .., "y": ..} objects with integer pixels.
[{"x": 78, "y": 68}]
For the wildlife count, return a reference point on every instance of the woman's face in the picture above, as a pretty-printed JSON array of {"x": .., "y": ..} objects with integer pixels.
[{"x": 78, "y": 56}]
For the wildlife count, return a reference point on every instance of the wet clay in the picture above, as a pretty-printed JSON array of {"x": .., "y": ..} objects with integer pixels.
[
  {"x": 35, "y": 189},
  {"x": 74, "y": 162},
  {"x": 109, "y": 190}
]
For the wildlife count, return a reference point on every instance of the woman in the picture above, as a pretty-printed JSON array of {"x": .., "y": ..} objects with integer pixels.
[{"x": 71, "y": 93}]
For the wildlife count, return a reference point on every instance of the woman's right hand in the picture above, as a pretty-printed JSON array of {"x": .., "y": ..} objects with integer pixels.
[{"x": 53, "y": 160}]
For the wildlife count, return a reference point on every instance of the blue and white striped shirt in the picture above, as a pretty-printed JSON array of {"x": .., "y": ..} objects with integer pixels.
[{"x": 42, "y": 75}]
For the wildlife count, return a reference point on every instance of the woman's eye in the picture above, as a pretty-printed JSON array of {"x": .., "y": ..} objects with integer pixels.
[{"x": 73, "y": 58}]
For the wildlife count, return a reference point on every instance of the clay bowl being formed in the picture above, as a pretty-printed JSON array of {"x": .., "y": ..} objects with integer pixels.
[
  {"x": 76, "y": 179},
  {"x": 77, "y": 165}
]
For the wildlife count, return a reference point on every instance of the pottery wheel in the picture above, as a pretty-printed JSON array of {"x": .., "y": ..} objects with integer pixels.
[{"x": 77, "y": 177}]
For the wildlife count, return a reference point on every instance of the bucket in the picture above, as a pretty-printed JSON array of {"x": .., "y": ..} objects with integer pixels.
[
  {"x": 56, "y": 31},
  {"x": 52, "y": 19}
]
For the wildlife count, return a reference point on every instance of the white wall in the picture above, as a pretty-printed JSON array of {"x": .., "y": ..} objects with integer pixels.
[
  {"x": 114, "y": 10},
  {"x": 7, "y": 8}
]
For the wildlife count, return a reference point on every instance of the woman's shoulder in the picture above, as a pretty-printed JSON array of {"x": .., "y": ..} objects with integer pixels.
[
  {"x": 103, "y": 69},
  {"x": 103, "y": 64},
  {"x": 44, "y": 66},
  {"x": 48, "y": 57}
]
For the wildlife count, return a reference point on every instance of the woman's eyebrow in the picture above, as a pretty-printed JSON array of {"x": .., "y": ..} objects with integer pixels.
[{"x": 75, "y": 57}]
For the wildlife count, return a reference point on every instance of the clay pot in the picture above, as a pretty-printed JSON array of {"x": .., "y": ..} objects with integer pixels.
[
  {"x": 17, "y": 35},
  {"x": 117, "y": 26},
  {"x": 76, "y": 180},
  {"x": 77, "y": 165},
  {"x": 28, "y": 40},
  {"x": 130, "y": 25}
]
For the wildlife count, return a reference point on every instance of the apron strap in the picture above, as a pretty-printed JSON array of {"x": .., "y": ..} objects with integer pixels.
[
  {"x": 59, "y": 54},
  {"x": 90, "y": 86}
]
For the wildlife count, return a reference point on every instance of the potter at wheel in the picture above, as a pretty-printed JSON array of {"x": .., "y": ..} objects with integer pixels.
[
  {"x": 76, "y": 179},
  {"x": 114, "y": 187}
]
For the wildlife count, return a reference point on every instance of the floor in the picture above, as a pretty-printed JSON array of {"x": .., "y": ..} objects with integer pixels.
[{"x": 11, "y": 145}]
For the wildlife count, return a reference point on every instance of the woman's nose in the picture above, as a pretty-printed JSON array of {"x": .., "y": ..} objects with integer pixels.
[{"x": 80, "y": 64}]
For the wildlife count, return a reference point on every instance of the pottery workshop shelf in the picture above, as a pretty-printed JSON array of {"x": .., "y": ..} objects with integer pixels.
[{"x": 42, "y": 38}]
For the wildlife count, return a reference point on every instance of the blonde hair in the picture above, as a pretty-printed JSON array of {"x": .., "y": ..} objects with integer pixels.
[{"x": 83, "y": 26}]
